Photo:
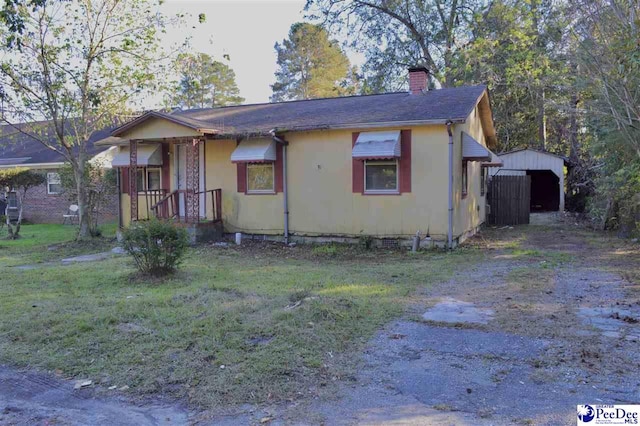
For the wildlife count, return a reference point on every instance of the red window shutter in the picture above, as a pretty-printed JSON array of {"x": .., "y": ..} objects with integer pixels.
[
  {"x": 278, "y": 176},
  {"x": 166, "y": 176},
  {"x": 241, "y": 171},
  {"x": 405, "y": 161},
  {"x": 242, "y": 176},
  {"x": 124, "y": 180},
  {"x": 357, "y": 169}
]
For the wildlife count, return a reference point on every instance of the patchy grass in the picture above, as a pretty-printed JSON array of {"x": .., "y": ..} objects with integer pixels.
[
  {"x": 327, "y": 250},
  {"x": 45, "y": 242},
  {"x": 531, "y": 278},
  {"x": 546, "y": 258},
  {"x": 248, "y": 324}
]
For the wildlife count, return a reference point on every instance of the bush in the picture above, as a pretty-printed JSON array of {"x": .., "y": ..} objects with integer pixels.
[
  {"x": 156, "y": 247},
  {"x": 366, "y": 242}
]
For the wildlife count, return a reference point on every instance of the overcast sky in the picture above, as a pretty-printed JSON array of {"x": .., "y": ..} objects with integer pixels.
[{"x": 246, "y": 30}]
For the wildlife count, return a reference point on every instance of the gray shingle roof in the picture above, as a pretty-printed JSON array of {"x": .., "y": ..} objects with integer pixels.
[
  {"x": 16, "y": 148},
  {"x": 434, "y": 106}
]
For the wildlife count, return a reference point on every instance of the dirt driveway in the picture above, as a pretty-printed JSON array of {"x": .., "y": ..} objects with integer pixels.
[{"x": 547, "y": 321}]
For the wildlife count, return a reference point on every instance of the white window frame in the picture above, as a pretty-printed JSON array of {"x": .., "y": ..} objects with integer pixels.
[
  {"x": 146, "y": 177},
  {"x": 382, "y": 163},
  {"x": 143, "y": 172},
  {"x": 261, "y": 191},
  {"x": 15, "y": 197},
  {"x": 56, "y": 181}
]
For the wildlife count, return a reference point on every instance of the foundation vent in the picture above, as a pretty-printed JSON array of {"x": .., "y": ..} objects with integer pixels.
[{"x": 389, "y": 243}]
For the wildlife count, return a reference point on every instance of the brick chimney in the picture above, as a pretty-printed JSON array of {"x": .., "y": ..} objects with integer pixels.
[{"x": 418, "y": 80}]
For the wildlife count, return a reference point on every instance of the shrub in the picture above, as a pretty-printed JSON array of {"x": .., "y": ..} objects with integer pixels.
[
  {"x": 156, "y": 247},
  {"x": 366, "y": 242}
]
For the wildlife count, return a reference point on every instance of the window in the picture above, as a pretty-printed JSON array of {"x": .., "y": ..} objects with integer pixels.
[
  {"x": 148, "y": 179},
  {"x": 140, "y": 180},
  {"x": 381, "y": 176},
  {"x": 53, "y": 183},
  {"x": 153, "y": 179},
  {"x": 483, "y": 181},
  {"x": 260, "y": 178},
  {"x": 12, "y": 200},
  {"x": 465, "y": 178}
]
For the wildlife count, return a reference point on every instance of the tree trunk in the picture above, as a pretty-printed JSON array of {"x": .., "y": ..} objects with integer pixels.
[
  {"x": 8, "y": 220},
  {"x": 84, "y": 213},
  {"x": 20, "y": 196},
  {"x": 574, "y": 148},
  {"x": 542, "y": 121}
]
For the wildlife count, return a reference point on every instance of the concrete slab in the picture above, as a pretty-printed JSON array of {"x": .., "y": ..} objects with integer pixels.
[
  {"x": 612, "y": 322},
  {"x": 88, "y": 257},
  {"x": 457, "y": 311},
  {"x": 31, "y": 398}
]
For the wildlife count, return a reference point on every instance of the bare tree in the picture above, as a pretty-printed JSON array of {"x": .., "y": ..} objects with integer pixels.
[{"x": 71, "y": 67}]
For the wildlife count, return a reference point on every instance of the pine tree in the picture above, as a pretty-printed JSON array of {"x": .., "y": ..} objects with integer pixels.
[{"x": 311, "y": 66}]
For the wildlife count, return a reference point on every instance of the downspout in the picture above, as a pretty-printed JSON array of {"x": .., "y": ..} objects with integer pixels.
[
  {"x": 450, "y": 224},
  {"x": 119, "y": 183},
  {"x": 285, "y": 192}
]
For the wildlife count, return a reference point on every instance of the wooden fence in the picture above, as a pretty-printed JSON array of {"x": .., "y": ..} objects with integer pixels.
[{"x": 509, "y": 200}]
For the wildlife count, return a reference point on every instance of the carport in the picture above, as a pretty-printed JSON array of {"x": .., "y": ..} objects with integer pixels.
[{"x": 547, "y": 176}]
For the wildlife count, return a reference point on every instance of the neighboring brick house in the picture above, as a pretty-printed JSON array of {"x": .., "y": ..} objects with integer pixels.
[{"x": 45, "y": 203}]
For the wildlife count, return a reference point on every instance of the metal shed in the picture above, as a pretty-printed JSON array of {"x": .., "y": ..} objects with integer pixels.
[{"x": 547, "y": 173}]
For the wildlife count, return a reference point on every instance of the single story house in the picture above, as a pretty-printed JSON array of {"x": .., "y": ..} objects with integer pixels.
[
  {"x": 46, "y": 203},
  {"x": 547, "y": 173},
  {"x": 384, "y": 166}
]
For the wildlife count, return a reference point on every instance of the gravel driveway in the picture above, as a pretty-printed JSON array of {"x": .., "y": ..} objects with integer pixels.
[{"x": 558, "y": 326}]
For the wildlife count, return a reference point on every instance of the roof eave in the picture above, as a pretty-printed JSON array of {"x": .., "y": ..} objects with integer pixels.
[
  {"x": 486, "y": 118},
  {"x": 51, "y": 165},
  {"x": 513, "y": 151},
  {"x": 154, "y": 114},
  {"x": 374, "y": 125}
]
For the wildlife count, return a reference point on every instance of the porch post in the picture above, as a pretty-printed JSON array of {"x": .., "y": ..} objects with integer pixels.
[
  {"x": 133, "y": 178},
  {"x": 192, "y": 203}
]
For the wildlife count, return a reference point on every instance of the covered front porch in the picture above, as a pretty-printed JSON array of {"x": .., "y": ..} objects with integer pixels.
[
  {"x": 200, "y": 178},
  {"x": 166, "y": 180}
]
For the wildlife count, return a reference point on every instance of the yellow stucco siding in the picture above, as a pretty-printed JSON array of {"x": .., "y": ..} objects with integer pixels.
[
  {"x": 155, "y": 128},
  {"x": 126, "y": 208},
  {"x": 321, "y": 199},
  {"x": 240, "y": 212},
  {"x": 320, "y": 187},
  {"x": 125, "y": 205},
  {"x": 469, "y": 212}
]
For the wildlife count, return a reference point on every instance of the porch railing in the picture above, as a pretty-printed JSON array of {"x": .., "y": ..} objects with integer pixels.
[
  {"x": 169, "y": 206},
  {"x": 215, "y": 197},
  {"x": 152, "y": 197}
]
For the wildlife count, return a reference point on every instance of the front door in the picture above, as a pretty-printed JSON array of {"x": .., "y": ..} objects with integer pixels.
[{"x": 180, "y": 166}]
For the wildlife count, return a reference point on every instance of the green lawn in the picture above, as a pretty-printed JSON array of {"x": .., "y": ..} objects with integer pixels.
[
  {"x": 44, "y": 242},
  {"x": 249, "y": 324}
]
